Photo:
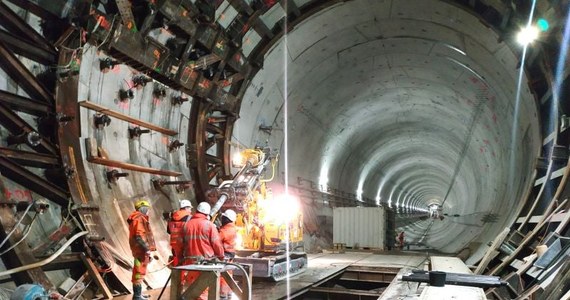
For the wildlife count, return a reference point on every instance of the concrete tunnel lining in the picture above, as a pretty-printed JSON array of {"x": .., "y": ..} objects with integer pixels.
[{"x": 357, "y": 90}]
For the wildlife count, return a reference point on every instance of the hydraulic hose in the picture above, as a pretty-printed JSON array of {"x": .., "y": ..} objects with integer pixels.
[{"x": 47, "y": 260}]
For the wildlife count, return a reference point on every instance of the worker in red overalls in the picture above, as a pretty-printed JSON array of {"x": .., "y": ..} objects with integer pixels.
[
  {"x": 201, "y": 241},
  {"x": 141, "y": 241},
  {"x": 175, "y": 226},
  {"x": 228, "y": 234}
]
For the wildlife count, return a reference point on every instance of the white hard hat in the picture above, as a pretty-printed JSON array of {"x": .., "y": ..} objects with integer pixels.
[
  {"x": 204, "y": 207},
  {"x": 185, "y": 203},
  {"x": 230, "y": 214}
]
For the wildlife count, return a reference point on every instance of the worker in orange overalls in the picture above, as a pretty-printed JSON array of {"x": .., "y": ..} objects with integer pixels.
[
  {"x": 175, "y": 226},
  {"x": 201, "y": 241},
  {"x": 141, "y": 241},
  {"x": 401, "y": 240},
  {"x": 228, "y": 234}
]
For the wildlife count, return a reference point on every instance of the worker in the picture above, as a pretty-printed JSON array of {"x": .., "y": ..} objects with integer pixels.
[
  {"x": 141, "y": 241},
  {"x": 228, "y": 234},
  {"x": 175, "y": 226},
  {"x": 401, "y": 240},
  {"x": 201, "y": 242}
]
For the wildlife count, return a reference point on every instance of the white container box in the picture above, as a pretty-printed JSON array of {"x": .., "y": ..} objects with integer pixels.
[{"x": 360, "y": 227}]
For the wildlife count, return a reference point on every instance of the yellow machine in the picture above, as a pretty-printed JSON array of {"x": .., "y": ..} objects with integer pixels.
[{"x": 270, "y": 227}]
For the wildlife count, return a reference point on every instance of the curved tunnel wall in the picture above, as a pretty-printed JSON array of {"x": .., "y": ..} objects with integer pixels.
[
  {"x": 388, "y": 100},
  {"x": 382, "y": 97}
]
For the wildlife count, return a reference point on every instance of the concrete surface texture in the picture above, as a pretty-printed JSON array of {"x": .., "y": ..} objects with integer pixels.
[{"x": 406, "y": 102}]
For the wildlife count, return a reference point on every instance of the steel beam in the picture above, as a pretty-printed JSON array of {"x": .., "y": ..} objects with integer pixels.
[
  {"x": 16, "y": 69},
  {"x": 16, "y": 125},
  {"x": 23, "y": 104},
  {"x": 30, "y": 159},
  {"x": 290, "y": 7},
  {"x": 35, "y": 183},
  {"x": 36, "y": 10},
  {"x": 13, "y": 22},
  {"x": 63, "y": 261},
  {"x": 28, "y": 49}
]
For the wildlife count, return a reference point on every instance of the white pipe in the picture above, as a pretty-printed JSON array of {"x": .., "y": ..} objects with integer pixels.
[{"x": 47, "y": 260}]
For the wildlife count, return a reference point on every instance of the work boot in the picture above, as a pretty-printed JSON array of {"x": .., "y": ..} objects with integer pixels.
[{"x": 137, "y": 292}]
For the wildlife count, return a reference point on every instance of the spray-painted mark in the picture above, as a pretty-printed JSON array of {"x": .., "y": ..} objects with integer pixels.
[{"x": 18, "y": 195}]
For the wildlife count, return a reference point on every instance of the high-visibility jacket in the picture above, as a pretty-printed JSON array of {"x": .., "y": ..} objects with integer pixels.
[
  {"x": 201, "y": 239},
  {"x": 228, "y": 234},
  {"x": 140, "y": 226},
  {"x": 175, "y": 226}
]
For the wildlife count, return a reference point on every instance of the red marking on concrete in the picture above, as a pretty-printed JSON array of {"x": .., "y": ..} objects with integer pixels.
[
  {"x": 18, "y": 195},
  {"x": 486, "y": 142},
  {"x": 124, "y": 104},
  {"x": 495, "y": 118},
  {"x": 156, "y": 101}
]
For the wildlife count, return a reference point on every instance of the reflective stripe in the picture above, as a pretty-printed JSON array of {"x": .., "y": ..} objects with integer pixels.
[{"x": 197, "y": 237}]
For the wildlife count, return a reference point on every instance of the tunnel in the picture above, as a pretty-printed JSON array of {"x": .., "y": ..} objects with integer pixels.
[{"x": 430, "y": 109}]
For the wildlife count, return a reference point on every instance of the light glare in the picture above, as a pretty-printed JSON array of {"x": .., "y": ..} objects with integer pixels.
[{"x": 527, "y": 35}]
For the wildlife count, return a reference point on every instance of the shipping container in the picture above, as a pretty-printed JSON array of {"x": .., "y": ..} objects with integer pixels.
[{"x": 360, "y": 227}]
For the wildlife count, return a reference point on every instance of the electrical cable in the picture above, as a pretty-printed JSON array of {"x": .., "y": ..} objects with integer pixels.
[
  {"x": 45, "y": 261},
  {"x": 17, "y": 223},
  {"x": 28, "y": 230}
]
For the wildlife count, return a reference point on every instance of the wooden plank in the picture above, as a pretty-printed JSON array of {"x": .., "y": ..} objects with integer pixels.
[
  {"x": 132, "y": 167},
  {"x": 175, "y": 287},
  {"x": 449, "y": 264},
  {"x": 96, "y": 276},
  {"x": 455, "y": 265},
  {"x": 452, "y": 292},
  {"x": 399, "y": 287},
  {"x": 491, "y": 252},
  {"x": 202, "y": 282},
  {"x": 531, "y": 235},
  {"x": 101, "y": 109},
  {"x": 554, "y": 174},
  {"x": 233, "y": 285},
  {"x": 559, "y": 217}
]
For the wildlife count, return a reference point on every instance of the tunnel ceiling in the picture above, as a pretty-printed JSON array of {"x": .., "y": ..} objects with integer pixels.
[{"x": 404, "y": 102}]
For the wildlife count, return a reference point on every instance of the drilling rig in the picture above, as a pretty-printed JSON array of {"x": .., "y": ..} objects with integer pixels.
[{"x": 270, "y": 227}]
